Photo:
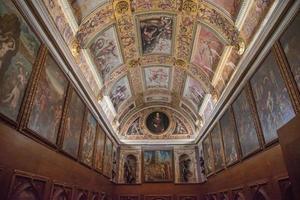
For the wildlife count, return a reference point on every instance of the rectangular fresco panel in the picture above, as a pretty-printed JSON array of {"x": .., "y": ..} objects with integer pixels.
[
  {"x": 272, "y": 99},
  {"x": 120, "y": 92},
  {"x": 290, "y": 42},
  {"x": 229, "y": 137},
  {"x": 157, "y": 77},
  {"x": 18, "y": 51},
  {"x": 207, "y": 50},
  {"x": 46, "y": 114},
  {"x": 107, "y": 168},
  {"x": 245, "y": 125},
  {"x": 89, "y": 135},
  {"x": 208, "y": 155},
  {"x": 99, "y": 148},
  {"x": 82, "y": 8},
  {"x": 156, "y": 32},
  {"x": 158, "y": 165},
  {"x": 73, "y": 125},
  {"x": 217, "y": 145},
  {"x": 105, "y": 52},
  {"x": 231, "y": 6},
  {"x": 193, "y": 92}
]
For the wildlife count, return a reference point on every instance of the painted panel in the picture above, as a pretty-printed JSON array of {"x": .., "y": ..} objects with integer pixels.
[
  {"x": 180, "y": 128},
  {"x": 157, "y": 77},
  {"x": 231, "y": 6},
  {"x": 208, "y": 155},
  {"x": 135, "y": 128},
  {"x": 89, "y": 135},
  {"x": 245, "y": 125},
  {"x": 156, "y": 33},
  {"x": 99, "y": 152},
  {"x": 73, "y": 125},
  {"x": 107, "y": 168},
  {"x": 106, "y": 53},
  {"x": 120, "y": 92},
  {"x": 130, "y": 169},
  {"x": 290, "y": 41},
  {"x": 229, "y": 137},
  {"x": 272, "y": 100},
  {"x": 46, "y": 114},
  {"x": 193, "y": 92},
  {"x": 18, "y": 52},
  {"x": 218, "y": 149},
  {"x": 207, "y": 50},
  {"x": 158, "y": 165}
]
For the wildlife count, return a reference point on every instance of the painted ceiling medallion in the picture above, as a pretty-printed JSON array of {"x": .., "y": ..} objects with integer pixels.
[{"x": 157, "y": 122}]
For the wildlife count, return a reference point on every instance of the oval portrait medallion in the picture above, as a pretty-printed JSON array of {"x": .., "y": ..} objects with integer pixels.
[{"x": 157, "y": 122}]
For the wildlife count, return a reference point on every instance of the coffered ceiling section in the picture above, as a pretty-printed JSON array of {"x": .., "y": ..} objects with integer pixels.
[{"x": 157, "y": 67}]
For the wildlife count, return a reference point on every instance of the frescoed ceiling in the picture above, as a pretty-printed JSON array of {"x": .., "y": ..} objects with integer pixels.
[{"x": 171, "y": 58}]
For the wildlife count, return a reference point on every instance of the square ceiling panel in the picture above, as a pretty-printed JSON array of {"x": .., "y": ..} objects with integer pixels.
[
  {"x": 231, "y": 7},
  {"x": 193, "y": 92},
  {"x": 120, "y": 92},
  {"x": 157, "y": 77},
  {"x": 156, "y": 33},
  {"x": 207, "y": 50},
  {"x": 105, "y": 52},
  {"x": 82, "y": 8}
]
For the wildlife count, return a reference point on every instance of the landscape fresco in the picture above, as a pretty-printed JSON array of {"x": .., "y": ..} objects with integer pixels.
[
  {"x": 82, "y": 8},
  {"x": 194, "y": 92},
  {"x": 229, "y": 137},
  {"x": 245, "y": 125},
  {"x": 207, "y": 50},
  {"x": 120, "y": 92},
  {"x": 106, "y": 53},
  {"x": 272, "y": 99},
  {"x": 46, "y": 114},
  {"x": 217, "y": 145},
  {"x": 107, "y": 168},
  {"x": 89, "y": 135},
  {"x": 208, "y": 155},
  {"x": 158, "y": 165},
  {"x": 157, "y": 77},
  {"x": 290, "y": 43},
  {"x": 156, "y": 34},
  {"x": 73, "y": 125},
  {"x": 231, "y": 6},
  {"x": 99, "y": 148},
  {"x": 19, "y": 48}
]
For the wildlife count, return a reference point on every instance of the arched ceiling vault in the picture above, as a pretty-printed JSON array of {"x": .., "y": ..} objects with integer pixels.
[{"x": 170, "y": 56}]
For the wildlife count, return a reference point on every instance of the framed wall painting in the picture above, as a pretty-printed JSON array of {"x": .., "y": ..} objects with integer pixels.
[
  {"x": 273, "y": 103},
  {"x": 19, "y": 51},
  {"x": 99, "y": 148},
  {"x": 46, "y": 113},
  {"x": 218, "y": 150},
  {"x": 208, "y": 155},
  {"x": 289, "y": 41},
  {"x": 88, "y": 139},
  {"x": 228, "y": 128},
  {"x": 73, "y": 125},
  {"x": 246, "y": 129},
  {"x": 107, "y": 168},
  {"x": 158, "y": 166}
]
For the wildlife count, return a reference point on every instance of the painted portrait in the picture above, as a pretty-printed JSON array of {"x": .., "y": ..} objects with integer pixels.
[
  {"x": 134, "y": 128},
  {"x": 107, "y": 168},
  {"x": 73, "y": 125},
  {"x": 99, "y": 148},
  {"x": 245, "y": 124},
  {"x": 229, "y": 137},
  {"x": 217, "y": 144},
  {"x": 105, "y": 52},
  {"x": 120, "y": 92},
  {"x": 114, "y": 160},
  {"x": 88, "y": 139},
  {"x": 208, "y": 156},
  {"x": 18, "y": 52},
  {"x": 186, "y": 171},
  {"x": 193, "y": 92},
  {"x": 157, "y": 122},
  {"x": 207, "y": 50},
  {"x": 82, "y": 8},
  {"x": 156, "y": 32},
  {"x": 289, "y": 41},
  {"x": 130, "y": 169},
  {"x": 45, "y": 116},
  {"x": 158, "y": 165},
  {"x": 232, "y": 7},
  {"x": 272, "y": 99},
  {"x": 157, "y": 77}
]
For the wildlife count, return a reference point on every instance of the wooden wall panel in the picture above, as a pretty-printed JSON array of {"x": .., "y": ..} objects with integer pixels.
[
  {"x": 154, "y": 197},
  {"x": 61, "y": 191}
]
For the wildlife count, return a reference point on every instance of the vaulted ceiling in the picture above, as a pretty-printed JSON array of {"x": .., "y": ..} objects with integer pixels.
[{"x": 164, "y": 56}]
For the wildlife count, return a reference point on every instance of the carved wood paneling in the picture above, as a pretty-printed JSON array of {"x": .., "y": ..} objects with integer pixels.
[{"x": 61, "y": 191}]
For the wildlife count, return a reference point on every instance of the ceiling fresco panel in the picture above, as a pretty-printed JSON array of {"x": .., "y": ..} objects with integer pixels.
[
  {"x": 120, "y": 92},
  {"x": 193, "y": 92},
  {"x": 157, "y": 77},
  {"x": 231, "y": 7}
]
